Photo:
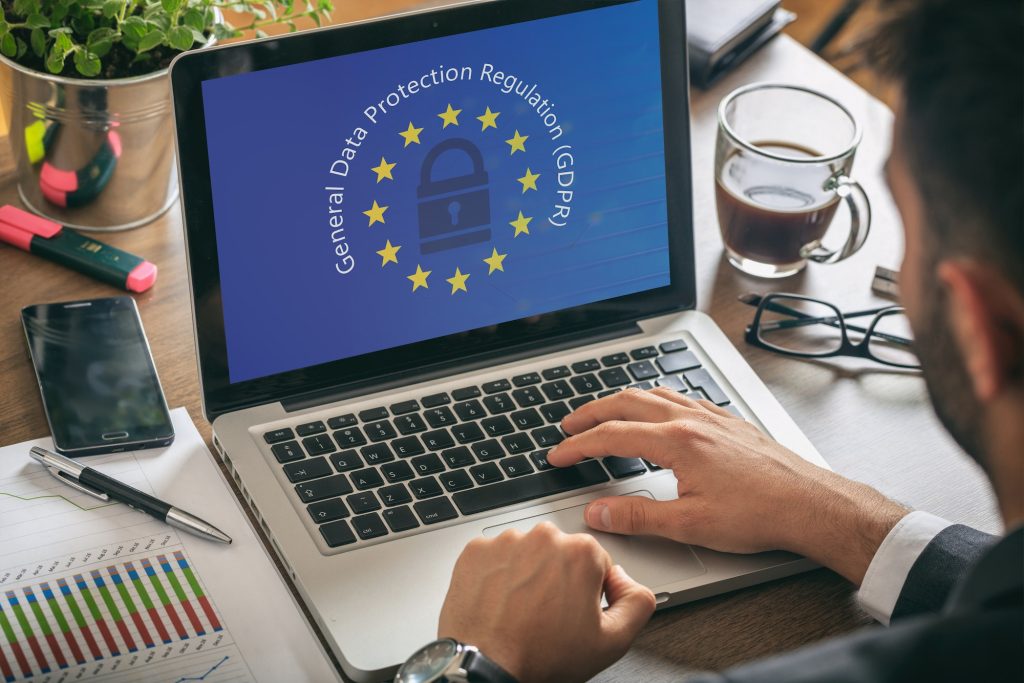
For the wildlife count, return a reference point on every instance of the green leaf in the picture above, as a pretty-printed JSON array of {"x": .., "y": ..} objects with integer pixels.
[
  {"x": 198, "y": 37},
  {"x": 55, "y": 60},
  {"x": 26, "y": 7},
  {"x": 38, "y": 40},
  {"x": 100, "y": 41},
  {"x": 4, "y": 26},
  {"x": 83, "y": 24},
  {"x": 111, "y": 8},
  {"x": 180, "y": 38},
  {"x": 37, "y": 21},
  {"x": 8, "y": 46},
  {"x": 64, "y": 42},
  {"x": 170, "y": 6},
  {"x": 21, "y": 48},
  {"x": 86, "y": 63},
  {"x": 152, "y": 39},
  {"x": 194, "y": 19}
]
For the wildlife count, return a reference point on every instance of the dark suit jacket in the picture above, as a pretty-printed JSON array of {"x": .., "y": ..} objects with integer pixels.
[{"x": 959, "y": 617}]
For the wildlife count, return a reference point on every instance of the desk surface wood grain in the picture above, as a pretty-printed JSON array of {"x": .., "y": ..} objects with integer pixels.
[{"x": 871, "y": 425}]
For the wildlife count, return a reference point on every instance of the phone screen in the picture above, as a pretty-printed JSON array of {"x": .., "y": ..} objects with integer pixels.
[{"x": 100, "y": 388}]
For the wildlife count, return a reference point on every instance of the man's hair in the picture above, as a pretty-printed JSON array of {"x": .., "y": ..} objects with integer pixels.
[{"x": 960, "y": 67}]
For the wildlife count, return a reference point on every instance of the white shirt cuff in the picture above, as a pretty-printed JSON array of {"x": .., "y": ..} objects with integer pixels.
[{"x": 884, "y": 579}]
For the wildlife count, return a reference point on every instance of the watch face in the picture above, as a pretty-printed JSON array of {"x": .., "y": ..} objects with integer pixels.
[{"x": 429, "y": 662}]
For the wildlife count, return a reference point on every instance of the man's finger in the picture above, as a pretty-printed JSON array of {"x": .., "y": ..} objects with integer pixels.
[
  {"x": 630, "y": 406},
  {"x": 632, "y": 515},
  {"x": 630, "y": 605},
  {"x": 626, "y": 439}
]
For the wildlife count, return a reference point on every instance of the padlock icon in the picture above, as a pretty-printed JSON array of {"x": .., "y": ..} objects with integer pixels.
[{"x": 456, "y": 211}]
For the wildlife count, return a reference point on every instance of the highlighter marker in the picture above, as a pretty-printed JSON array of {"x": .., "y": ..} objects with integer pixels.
[
  {"x": 77, "y": 188},
  {"x": 53, "y": 241}
]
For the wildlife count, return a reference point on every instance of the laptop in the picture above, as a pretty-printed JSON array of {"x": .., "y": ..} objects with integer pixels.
[{"x": 415, "y": 244}]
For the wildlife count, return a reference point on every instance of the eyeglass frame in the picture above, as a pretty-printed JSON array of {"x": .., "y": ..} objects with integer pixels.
[{"x": 861, "y": 349}]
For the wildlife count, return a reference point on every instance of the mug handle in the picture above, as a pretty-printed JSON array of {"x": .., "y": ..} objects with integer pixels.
[{"x": 860, "y": 222}]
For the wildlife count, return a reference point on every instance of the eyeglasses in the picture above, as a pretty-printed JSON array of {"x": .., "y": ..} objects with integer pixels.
[{"x": 803, "y": 327}]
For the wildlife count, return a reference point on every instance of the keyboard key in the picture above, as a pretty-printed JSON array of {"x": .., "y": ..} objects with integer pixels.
[
  {"x": 547, "y": 436},
  {"x": 373, "y": 414},
  {"x": 700, "y": 379},
  {"x": 458, "y": 457},
  {"x": 466, "y": 393},
  {"x": 585, "y": 366},
  {"x": 327, "y": 510},
  {"x": 527, "y": 419},
  {"x": 427, "y": 487},
  {"x": 369, "y": 526},
  {"x": 404, "y": 407},
  {"x": 488, "y": 450},
  {"x": 496, "y": 386},
  {"x": 609, "y": 392},
  {"x": 677, "y": 362},
  {"x": 398, "y": 494},
  {"x": 651, "y": 466},
  {"x": 624, "y": 467},
  {"x": 674, "y": 345},
  {"x": 437, "y": 440},
  {"x": 696, "y": 395},
  {"x": 337, "y": 533},
  {"x": 499, "y": 403},
  {"x": 407, "y": 446},
  {"x": 540, "y": 459},
  {"x": 556, "y": 373},
  {"x": 328, "y": 487},
  {"x": 367, "y": 478},
  {"x": 434, "y": 511},
  {"x": 641, "y": 385},
  {"x": 278, "y": 435},
  {"x": 363, "y": 502},
  {"x": 410, "y": 424},
  {"x": 342, "y": 421},
  {"x": 307, "y": 469},
  {"x": 498, "y": 425},
  {"x": 400, "y": 519},
  {"x": 346, "y": 460},
  {"x": 524, "y": 380},
  {"x": 516, "y": 466},
  {"x": 586, "y": 384},
  {"x": 527, "y": 397},
  {"x": 457, "y": 480},
  {"x": 575, "y": 403},
  {"x": 318, "y": 445},
  {"x": 311, "y": 428},
  {"x": 642, "y": 370},
  {"x": 614, "y": 377},
  {"x": 439, "y": 417},
  {"x": 288, "y": 451},
  {"x": 380, "y": 431},
  {"x": 377, "y": 453},
  {"x": 517, "y": 443},
  {"x": 467, "y": 432},
  {"x": 348, "y": 437},
  {"x": 427, "y": 464},
  {"x": 520, "y": 489},
  {"x": 486, "y": 473},
  {"x": 644, "y": 352},
  {"x": 672, "y": 382},
  {"x": 397, "y": 471},
  {"x": 557, "y": 390},
  {"x": 614, "y": 359},
  {"x": 469, "y": 410},
  {"x": 554, "y": 412},
  {"x": 435, "y": 400}
]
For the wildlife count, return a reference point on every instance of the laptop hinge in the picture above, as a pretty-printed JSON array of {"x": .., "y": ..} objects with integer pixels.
[{"x": 453, "y": 367}]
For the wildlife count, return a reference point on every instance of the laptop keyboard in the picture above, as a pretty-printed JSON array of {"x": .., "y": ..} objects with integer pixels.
[{"x": 413, "y": 464}]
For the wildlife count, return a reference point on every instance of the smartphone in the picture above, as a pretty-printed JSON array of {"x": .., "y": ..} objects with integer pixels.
[{"x": 100, "y": 389}]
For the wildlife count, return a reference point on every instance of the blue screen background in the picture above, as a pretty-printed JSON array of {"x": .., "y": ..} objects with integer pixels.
[{"x": 274, "y": 134}]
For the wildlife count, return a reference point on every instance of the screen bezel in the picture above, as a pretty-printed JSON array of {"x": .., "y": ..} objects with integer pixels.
[
  {"x": 138, "y": 437},
  {"x": 189, "y": 71}
]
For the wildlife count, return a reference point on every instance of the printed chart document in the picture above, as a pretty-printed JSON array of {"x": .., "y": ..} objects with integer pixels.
[{"x": 94, "y": 590}]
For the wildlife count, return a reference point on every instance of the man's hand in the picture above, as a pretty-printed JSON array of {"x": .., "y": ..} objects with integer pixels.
[
  {"x": 739, "y": 491},
  {"x": 532, "y": 603}
]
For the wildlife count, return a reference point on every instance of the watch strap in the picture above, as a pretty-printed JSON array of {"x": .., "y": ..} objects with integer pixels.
[{"x": 480, "y": 669}]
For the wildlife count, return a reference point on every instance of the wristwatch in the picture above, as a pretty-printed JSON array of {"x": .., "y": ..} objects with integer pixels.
[{"x": 449, "y": 661}]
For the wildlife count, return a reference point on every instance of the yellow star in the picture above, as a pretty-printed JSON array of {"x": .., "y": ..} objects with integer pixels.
[
  {"x": 388, "y": 254},
  {"x": 419, "y": 278},
  {"x": 489, "y": 119},
  {"x": 517, "y": 143},
  {"x": 411, "y": 135},
  {"x": 450, "y": 117},
  {"x": 495, "y": 261},
  {"x": 376, "y": 213},
  {"x": 529, "y": 181},
  {"x": 458, "y": 281},
  {"x": 384, "y": 170},
  {"x": 520, "y": 225}
]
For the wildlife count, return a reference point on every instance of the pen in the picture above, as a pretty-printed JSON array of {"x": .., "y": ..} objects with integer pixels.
[{"x": 98, "y": 485}]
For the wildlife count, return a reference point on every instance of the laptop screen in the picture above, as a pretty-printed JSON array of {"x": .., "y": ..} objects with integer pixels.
[{"x": 377, "y": 199}]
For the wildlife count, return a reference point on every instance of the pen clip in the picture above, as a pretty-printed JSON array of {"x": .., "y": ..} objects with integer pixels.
[{"x": 78, "y": 486}]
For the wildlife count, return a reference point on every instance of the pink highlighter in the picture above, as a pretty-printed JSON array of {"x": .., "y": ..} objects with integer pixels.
[{"x": 53, "y": 241}]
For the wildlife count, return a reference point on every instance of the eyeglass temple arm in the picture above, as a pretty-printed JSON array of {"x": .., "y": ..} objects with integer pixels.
[{"x": 803, "y": 319}]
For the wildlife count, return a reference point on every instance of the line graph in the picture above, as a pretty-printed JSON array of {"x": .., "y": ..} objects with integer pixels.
[
  {"x": 213, "y": 668},
  {"x": 58, "y": 497}
]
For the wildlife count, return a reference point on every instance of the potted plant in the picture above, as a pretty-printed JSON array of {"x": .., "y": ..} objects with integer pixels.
[{"x": 84, "y": 89}]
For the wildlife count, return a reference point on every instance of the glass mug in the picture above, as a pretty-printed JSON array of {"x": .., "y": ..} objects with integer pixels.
[{"x": 782, "y": 163}]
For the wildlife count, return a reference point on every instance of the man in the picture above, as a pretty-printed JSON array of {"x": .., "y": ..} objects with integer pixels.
[{"x": 531, "y": 602}]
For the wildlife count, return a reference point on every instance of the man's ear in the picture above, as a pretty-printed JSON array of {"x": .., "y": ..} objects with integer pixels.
[{"x": 987, "y": 314}]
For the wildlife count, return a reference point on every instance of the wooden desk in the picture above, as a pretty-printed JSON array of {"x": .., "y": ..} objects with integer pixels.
[{"x": 872, "y": 425}]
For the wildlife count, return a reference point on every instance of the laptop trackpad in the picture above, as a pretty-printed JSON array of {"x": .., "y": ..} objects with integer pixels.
[{"x": 654, "y": 562}]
